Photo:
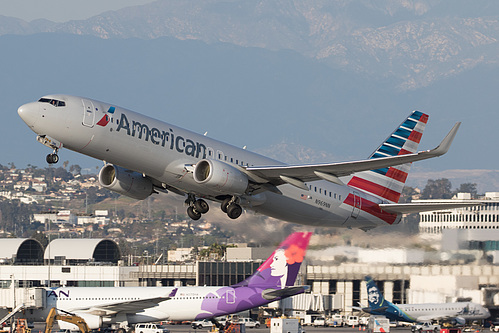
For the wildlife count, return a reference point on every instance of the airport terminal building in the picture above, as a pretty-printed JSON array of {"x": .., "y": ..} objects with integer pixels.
[
  {"x": 334, "y": 288},
  {"x": 485, "y": 217}
]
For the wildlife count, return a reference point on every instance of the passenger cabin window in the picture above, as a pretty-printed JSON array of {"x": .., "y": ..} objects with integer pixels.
[{"x": 54, "y": 102}]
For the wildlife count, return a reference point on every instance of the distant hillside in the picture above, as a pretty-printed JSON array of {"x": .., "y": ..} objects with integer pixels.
[
  {"x": 486, "y": 180},
  {"x": 412, "y": 43},
  {"x": 245, "y": 96}
]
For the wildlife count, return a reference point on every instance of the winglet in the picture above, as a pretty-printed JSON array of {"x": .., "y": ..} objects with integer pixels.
[{"x": 444, "y": 146}]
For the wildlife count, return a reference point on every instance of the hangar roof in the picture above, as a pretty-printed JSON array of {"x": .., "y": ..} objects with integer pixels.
[
  {"x": 95, "y": 249},
  {"x": 21, "y": 250}
]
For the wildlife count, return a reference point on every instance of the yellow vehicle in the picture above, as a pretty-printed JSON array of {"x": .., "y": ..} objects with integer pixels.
[
  {"x": 22, "y": 326},
  {"x": 69, "y": 318}
]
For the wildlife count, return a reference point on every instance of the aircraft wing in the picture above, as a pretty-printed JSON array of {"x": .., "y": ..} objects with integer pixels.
[
  {"x": 132, "y": 306},
  {"x": 416, "y": 207},
  {"x": 298, "y": 174},
  {"x": 434, "y": 316},
  {"x": 286, "y": 292}
]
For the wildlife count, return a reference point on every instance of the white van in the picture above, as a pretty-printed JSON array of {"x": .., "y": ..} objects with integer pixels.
[
  {"x": 248, "y": 322},
  {"x": 335, "y": 320},
  {"x": 352, "y": 321},
  {"x": 150, "y": 328}
]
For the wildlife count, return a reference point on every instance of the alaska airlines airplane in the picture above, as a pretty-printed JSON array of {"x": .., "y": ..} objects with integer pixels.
[
  {"x": 143, "y": 155},
  {"x": 459, "y": 312},
  {"x": 104, "y": 306}
]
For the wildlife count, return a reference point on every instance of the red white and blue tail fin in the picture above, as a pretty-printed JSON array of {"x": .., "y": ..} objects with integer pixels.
[{"x": 388, "y": 183}]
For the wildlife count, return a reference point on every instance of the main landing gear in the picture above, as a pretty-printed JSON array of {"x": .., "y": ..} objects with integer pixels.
[
  {"x": 52, "y": 158},
  {"x": 198, "y": 207},
  {"x": 231, "y": 207}
]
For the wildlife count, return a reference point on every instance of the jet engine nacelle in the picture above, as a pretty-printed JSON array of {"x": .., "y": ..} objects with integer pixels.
[
  {"x": 126, "y": 182},
  {"x": 221, "y": 177},
  {"x": 94, "y": 322}
]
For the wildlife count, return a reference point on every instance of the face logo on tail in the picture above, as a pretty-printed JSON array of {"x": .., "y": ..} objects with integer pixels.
[
  {"x": 277, "y": 273},
  {"x": 279, "y": 266},
  {"x": 373, "y": 295},
  {"x": 283, "y": 259},
  {"x": 284, "y": 263}
]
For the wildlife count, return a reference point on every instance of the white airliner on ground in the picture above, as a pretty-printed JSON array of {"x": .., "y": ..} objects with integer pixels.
[
  {"x": 459, "y": 312},
  {"x": 105, "y": 306},
  {"x": 143, "y": 155}
]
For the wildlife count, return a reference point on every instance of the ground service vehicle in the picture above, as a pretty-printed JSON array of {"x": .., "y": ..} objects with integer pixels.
[
  {"x": 69, "y": 318},
  {"x": 150, "y": 328},
  {"x": 426, "y": 327},
  {"x": 352, "y": 321},
  {"x": 248, "y": 322},
  {"x": 285, "y": 325},
  {"x": 450, "y": 330},
  {"x": 319, "y": 321},
  {"x": 335, "y": 320},
  {"x": 198, "y": 324},
  {"x": 378, "y": 324}
]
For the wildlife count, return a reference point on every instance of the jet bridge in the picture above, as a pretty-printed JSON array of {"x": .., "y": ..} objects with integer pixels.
[{"x": 29, "y": 298}]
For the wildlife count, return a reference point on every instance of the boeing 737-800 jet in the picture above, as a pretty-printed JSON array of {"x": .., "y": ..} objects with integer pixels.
[
  {"x": 144, "y": 155},
  {"x": 105, "y": 306},
  {"x": 459, "y": 312}
]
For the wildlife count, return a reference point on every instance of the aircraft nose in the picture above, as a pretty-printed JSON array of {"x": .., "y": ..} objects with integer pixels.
[{"x": 28, "y": 113}]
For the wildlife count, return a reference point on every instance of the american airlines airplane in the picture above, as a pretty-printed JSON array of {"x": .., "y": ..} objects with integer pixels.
[
  {"x": 104, "y": 306},
  {"x": 143, "y": 156},
  {"x": 458, "y": 312}
]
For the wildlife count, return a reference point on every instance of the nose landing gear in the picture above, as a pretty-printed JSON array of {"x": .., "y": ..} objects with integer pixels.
[
  {"x": 52, "y": 158},
  {"x": 51, "y": 143}
]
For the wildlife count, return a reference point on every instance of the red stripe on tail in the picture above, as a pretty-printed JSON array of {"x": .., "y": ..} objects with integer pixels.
[
  {"x": 372, "y": 208},
  {"x": 374, "y": 188},
  {"x": 397, "y": 174}
]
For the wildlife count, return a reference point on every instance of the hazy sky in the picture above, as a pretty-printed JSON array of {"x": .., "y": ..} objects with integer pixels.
[{"x": 62, "y": 10}]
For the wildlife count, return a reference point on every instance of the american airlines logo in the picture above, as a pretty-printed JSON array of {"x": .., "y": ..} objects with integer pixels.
[{"x": 160, "y": 137}]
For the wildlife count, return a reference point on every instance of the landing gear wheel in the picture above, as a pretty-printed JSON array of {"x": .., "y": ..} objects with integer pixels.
[
  {"x": 52, "y": 158},
  {"x": 234, "y": 211},
  {"x": 225, "y": 204},
  {"x": 193, "y": 214},
  {"x": 201, "y": 206}
]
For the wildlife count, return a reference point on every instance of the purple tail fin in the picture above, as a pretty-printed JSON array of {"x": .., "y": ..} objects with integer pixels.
[{"x": 281, "y": 268}]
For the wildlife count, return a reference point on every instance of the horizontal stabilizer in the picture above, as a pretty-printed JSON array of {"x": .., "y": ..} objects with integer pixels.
[
  {"x": 416, "y": 207},
  {"x": 380, "y": 310},
  {"x": 270, "y": 294}
]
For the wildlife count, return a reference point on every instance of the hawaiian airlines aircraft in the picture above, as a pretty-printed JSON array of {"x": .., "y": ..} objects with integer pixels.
[
  {"x": 458, "y": 312},
  {"x": 143, "y": 155},
  {"x": 104, "y": 306}
]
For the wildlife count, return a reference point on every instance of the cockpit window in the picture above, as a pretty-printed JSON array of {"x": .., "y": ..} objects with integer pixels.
[{"x": 54, "y": 102}]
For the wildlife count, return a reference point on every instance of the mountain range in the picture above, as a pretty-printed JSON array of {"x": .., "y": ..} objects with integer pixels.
[
  {"x": 413, "y": 43},
  {"x": 335, "y": 77}
]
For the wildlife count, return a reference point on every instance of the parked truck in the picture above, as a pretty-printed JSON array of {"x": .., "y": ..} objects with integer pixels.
[
  {"x": 285, "y": 325},
  {"x": 425, "y": 327},
  {"x": 378, "y": 324}
]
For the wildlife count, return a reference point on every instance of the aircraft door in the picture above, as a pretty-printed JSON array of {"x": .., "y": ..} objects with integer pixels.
[
  {"x": 357, "y": 203},
  {"x": 230, "y": 296},
  {"x": 88, "y": 113}
]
